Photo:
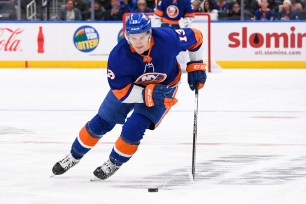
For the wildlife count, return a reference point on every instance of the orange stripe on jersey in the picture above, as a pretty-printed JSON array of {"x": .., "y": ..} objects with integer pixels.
[
  {"x": 158, "y": 12},
  {"x": 177, "y": 78},
  {"x": 198, "y": 37},
  {"x": 125, "y": 148},
  {"x": 164, "y": 20},
  {"x": 189, "y": 15},
  {"x": 122, "y": 92},
  {"x": 86, "y": 138}
]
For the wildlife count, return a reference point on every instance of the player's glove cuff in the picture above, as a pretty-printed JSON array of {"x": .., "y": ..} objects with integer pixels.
[{"x": 196, "y": 74}]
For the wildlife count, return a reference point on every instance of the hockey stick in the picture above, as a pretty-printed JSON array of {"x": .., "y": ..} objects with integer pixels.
[{"x": 196, "y": 96}]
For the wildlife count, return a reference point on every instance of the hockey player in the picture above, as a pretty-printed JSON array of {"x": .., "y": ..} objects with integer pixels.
[
  {"x": 143, "y": 75},
  {"x": 173, "y": 14}
]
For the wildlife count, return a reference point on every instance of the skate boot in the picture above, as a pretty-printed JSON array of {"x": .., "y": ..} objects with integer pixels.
[
  {"x": 64, "y": 165},
  {"x": 106, "y": 170}
]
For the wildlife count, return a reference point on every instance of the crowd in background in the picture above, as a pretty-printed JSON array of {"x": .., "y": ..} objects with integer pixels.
[{"x": 219, "y": 9}]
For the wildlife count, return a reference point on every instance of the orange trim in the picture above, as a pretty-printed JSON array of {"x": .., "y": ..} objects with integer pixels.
[
  {"x": 86, "y": 138},
  {"x": 158, "y": 12},
  {"x": 149, "y": 95},
  {"x": 189, "y": 15},
  {"x": 196, "y": 67},
  {"x": 168, "y": 109},
  {"x": 198, "y": 37},
  {"x": 168, "y": 102},
  {"x": 124, "y": 147},
  {"x": 177, "y": 78},
  {"x": 165, "y": 20},
  {"x": 200, "y": 85},
  {"x": 122, "y": 92}
]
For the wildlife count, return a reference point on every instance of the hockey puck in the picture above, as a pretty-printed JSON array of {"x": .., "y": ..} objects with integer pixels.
[{"x": 152, "y": 189}]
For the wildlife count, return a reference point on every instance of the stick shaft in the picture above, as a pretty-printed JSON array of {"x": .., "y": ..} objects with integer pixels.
[{"x": 194, "y": 132}]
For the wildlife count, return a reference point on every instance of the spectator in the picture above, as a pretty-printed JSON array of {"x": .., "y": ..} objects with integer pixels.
[
  {"x": 69, "y": 13},
  {"x": 116, "y": 12},
  {"x": 196, "y": 6},
  {"x": 222, "y": 6},
  {"x": 129, "y": 5},
  {"x": 7, "y": 11},
  {"x": 285, "y": 11},
  {"x": 106, "y": 4},
  {"x": 99, "y": 10},
  {"x": 208, "y": 7},
  {"x": 82, "y": 5},
  {"x": 273, "y": 6},
  {"x": 235, "y": 12},
  {"x": 151, "y": 4},
  {"x": 296, "y": 5},
  {"x": 142, "y": 7},
  {"x": 264, "y": 13}
]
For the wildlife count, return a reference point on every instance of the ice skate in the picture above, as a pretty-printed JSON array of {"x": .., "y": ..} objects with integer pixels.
[
  {"x": 64, "y": 165},
  {"x": 106, "y": 170}
]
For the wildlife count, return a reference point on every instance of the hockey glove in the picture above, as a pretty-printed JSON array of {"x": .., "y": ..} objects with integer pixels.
[
  {"x": 159, "y": 95},
  {"x": 196, "y": 74}
]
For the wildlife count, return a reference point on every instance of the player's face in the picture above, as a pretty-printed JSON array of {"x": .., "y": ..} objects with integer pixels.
[{"x": 140, "y": 42}]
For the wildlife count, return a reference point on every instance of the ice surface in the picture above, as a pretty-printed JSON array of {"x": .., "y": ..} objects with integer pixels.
[{"x": 251, "y": 141}]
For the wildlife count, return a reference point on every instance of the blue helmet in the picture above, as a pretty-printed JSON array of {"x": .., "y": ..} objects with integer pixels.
[{"x": 138, "y": 23}]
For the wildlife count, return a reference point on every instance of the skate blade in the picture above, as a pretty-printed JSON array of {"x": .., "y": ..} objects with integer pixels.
[{"x": 52, "y": 175}]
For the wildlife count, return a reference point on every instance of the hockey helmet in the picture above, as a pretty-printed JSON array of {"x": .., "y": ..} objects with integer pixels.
[{"x": 138, "y": 23}]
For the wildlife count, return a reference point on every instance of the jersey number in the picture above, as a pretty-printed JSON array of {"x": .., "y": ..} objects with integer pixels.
[{"x": 181, "y": 34}]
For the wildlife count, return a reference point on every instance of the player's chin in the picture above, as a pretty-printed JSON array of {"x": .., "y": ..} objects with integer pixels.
[{"x": 140, "y": 51}]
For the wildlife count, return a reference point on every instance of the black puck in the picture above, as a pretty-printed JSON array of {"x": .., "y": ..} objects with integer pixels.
[{"x": 152, "y": 189}]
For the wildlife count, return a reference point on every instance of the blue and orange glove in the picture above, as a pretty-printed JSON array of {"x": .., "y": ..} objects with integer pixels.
[
  {"x": 196, "y": 74},
  {"x": 159, "y": 95}
]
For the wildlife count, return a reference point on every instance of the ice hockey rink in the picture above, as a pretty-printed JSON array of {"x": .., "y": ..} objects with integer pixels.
[{"x": 251, "y": 144}]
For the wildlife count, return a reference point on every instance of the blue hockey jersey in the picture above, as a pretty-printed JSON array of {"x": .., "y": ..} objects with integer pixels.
[
  {"x": 127, "y": 69},
  {"x": 172, "y": 11}
]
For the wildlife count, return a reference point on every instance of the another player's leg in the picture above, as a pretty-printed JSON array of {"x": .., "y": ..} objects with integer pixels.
[{"x": 125, "y": 146}]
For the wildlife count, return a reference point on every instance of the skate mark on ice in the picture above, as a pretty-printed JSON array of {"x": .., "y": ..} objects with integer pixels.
[
  {"x": 252, "y": 170},
  {"x": 228, "y": 170},
  {"x": 5, "y": 130}
]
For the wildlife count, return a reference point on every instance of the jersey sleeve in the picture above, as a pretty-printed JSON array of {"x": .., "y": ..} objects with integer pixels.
[
  {"x": 159, "y": 10},
  {"x": 190, "y": 39},
  {"x": 188, "y": 9},
  {"x": 121, "y": 81}
]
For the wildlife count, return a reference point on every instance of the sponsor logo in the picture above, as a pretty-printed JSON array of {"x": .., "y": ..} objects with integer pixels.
[
  {"x": 9, "y": 41},
  {"x": 86, "y": 39},
  {"x": 244, "y": 39}
]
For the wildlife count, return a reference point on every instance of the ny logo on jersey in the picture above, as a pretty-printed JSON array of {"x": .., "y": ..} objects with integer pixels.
[{"x": 151, "y": 78}]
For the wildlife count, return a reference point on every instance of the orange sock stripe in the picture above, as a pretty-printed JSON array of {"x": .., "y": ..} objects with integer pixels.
[
  {"x": 125, "y": 148},
  {"x": 86, "y": 138}
]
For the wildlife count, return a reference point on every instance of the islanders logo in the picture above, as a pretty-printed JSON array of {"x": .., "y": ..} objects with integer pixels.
[
  {"x": 86, "y": 39},
  {"x": 172, "y": 11}
]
